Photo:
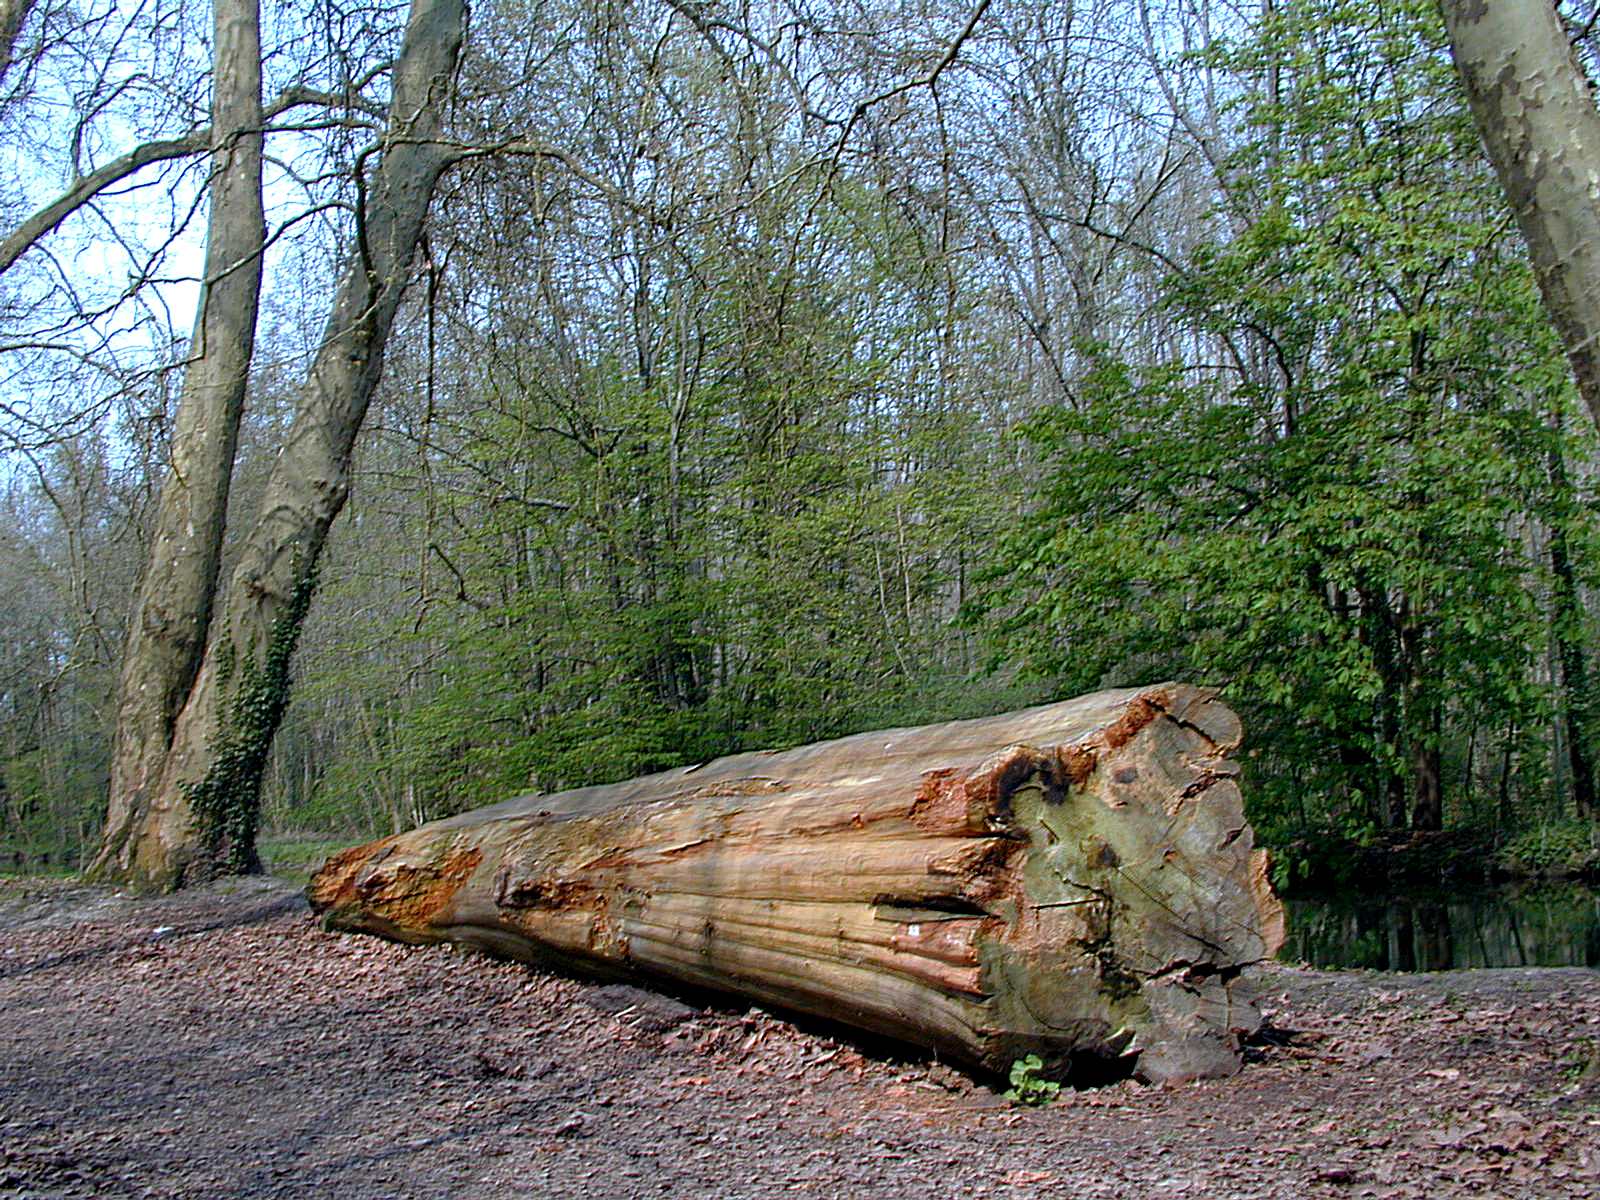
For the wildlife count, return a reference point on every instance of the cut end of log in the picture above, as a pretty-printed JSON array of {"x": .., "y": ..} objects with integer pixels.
[{"x": 1075, "y": 881}]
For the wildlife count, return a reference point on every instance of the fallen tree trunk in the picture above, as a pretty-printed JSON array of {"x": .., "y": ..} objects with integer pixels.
[{"x": 1075, "y": 881}]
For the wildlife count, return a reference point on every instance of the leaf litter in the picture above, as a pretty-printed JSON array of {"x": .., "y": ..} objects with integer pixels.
[{"x": 218, "y": 1043}]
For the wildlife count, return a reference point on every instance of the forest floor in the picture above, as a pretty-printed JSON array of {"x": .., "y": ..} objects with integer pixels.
[{"x": 220, "y": 1044}]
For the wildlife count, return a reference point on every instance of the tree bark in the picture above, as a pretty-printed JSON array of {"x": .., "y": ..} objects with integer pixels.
[
  {"x": 199, "y": 817},
  {"x": 173, "y": 612},
  {"x": 1076, "y": 881},
  {"x": 1577, "y": 706},
  {"x": 1532, "y": 105},
  {"x": 1576, "y": 702},
  {"x": 1427, "y": 784},
  {"x": 13, "y": 15}
]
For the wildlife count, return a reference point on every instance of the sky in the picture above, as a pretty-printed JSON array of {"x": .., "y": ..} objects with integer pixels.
[{"x": 112, "y": 291}]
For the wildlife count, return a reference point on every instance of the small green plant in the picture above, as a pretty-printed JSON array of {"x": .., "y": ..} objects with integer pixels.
[
  {"x": 1028, "y": 1086},
  {"x": 1579, "y": 1065}
]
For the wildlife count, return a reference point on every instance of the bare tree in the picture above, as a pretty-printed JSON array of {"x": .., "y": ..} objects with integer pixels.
[
  {"x": 185, "y": 800},
  {"x": 179, "y": 581}
]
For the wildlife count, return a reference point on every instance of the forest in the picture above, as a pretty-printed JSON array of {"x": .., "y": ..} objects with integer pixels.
[{"x": 619, "y": 384}]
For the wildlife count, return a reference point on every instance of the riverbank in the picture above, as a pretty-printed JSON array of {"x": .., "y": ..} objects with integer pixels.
[{"x": 1323, "y": 862}]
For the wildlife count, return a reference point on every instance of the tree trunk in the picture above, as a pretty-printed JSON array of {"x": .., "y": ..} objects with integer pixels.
[
  {"x": 13, "y": 14},
  {"x": 199, "y": 818},
  {"x": 1378, "y": 618},
  {"x": 173, "y": 612},
  {"x": 1533, "y": 108},
  {"x": 1576, "y": 702},
  {"x": 1567, "y": 628},
  {"x": 1076, "y": 881},
  {"x": 1427, "y": 784}
]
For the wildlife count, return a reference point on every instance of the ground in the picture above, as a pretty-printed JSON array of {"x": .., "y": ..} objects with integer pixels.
[{"x": 220, "y": 1044}]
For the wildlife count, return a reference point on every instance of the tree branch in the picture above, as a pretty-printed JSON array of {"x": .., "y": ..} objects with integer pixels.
[
  {"x": 86, "y": 188},
  {"x": 43, "y": 222}
]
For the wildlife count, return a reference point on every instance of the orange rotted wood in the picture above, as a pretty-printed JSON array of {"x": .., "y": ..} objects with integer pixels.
[{"x": 1075, "y": 880}]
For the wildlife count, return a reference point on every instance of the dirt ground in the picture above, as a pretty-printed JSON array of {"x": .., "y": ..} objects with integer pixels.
[{"x": 220, "y": 1044}]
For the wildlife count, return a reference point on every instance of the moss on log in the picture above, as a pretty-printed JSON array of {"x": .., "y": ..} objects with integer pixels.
[{"x": 1075, "y": 880}]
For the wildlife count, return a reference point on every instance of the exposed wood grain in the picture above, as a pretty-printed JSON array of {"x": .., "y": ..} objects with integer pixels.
[{"x": 1072, "y": 880}]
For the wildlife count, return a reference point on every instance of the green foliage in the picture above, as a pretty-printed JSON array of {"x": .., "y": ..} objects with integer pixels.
[
  {"x": 1334, "y": 528},
  {"x": 1028, "y": 1086},
  {"x": 297, "y": 857},
  {"x": 634, "y": 572},
  {"x": 51, "y": 806},
  {"x": 727, "y": 490},
  {"x": 1553, "y": 848}
]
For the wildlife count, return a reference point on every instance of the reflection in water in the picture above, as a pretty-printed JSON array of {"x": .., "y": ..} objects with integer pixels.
[{"x": 1487, "y": 927}]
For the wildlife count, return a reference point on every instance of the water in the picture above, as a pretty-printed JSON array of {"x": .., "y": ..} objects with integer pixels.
[{"x": 1552, "y": 926}]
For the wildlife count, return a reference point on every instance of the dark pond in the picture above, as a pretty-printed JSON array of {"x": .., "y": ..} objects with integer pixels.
[{"x": 1553, "y": 926}]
